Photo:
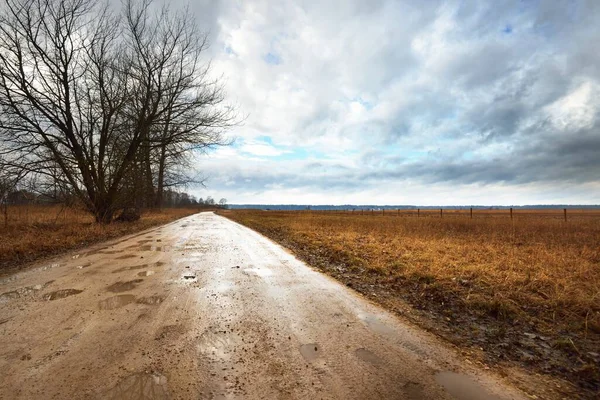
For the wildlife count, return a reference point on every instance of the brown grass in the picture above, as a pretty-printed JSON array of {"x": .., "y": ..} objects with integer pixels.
[
  {"x": 34, "y": 232},
  {"x": 534, "y": 273}
]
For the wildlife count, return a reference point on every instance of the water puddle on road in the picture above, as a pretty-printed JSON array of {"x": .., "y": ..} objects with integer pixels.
[
  {"x": 116, "y": 302},
  {"x": 368, "y": 356},
  {"x": 60, "y": 294},
  {"x": 150, "y": 247},
  {"x": 375, "y": 324},
  {"x": 462, "y": 387},
  {"x": 9, "y": 296},
  {"x": 151, "y": 300},
  {"x": 123, "y": 286},
  {"x": 262, "y": 272},
  {"x": 217, "y": 345},
  {"x": 135, "y": 267},
  {"x": 142, "y": 386},
  {"x": 310, "y": 351},
  {"x": 125, "y": 256}
]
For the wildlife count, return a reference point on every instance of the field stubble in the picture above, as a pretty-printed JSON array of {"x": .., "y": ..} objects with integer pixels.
[
  {"x": 33, "y": 232},
  {"x": 524, "y": 290}
]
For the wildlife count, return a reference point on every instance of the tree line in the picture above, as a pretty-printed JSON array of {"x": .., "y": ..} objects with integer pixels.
[{"x": 107, "y": 106}]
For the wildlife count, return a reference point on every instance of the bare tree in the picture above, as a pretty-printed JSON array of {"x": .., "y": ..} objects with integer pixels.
[{"x": 105, "y": 99}]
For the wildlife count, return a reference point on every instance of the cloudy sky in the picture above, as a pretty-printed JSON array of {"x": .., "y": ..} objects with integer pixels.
[{"x": 407, "y": 102}]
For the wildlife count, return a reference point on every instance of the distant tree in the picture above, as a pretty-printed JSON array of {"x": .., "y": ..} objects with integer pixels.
[{"x": 223, "y": 202}]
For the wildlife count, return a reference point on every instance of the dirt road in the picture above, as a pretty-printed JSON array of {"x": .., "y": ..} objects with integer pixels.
[{"x": 206, "y": 308}]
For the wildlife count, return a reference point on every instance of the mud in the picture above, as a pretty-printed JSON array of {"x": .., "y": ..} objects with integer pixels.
[
  {"x": 462, "y": 387},
  {"x": 310, "y": 351},
  {"x": 61, "y": 294},
  {"x": 150, "y": 248},
  {"x": 116, "y": 302},
  {"x": 130, "y": 268},
  {"x": 151, "y": 300},
  {"x": 368, "y": 356},
  {"x": 124, "y": 286},
  {"x": 251, "y": 322},
  {"x": 23, "y": 291},
  {"x": 144, "y": 386}
]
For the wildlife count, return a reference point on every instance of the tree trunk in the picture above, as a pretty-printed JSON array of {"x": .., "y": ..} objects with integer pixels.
[{"x": 161, "y": 178}]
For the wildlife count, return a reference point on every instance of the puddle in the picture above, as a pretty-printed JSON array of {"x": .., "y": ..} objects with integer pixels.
[
  {"x": 262, "y": 272},
  {"x": 125, "y": 256},
  {"x": 151, "y": 300},
  {"x": 140, "y": 386},
  {"x": 375, "y": 324},
  {"x": 150, "y": 247},
  {"x": 368, "y": 356},
  {"x": 414, "y": 390},
  {"x": 310, "y": 351},
  {"x": 62, "y": 293},
  {"x": 216, "y": 345},
  {"x": 131, "y": 268},
  {"x": 462, "y": 387},
  {"x": 116, "y": 302},
  {"x": 123, "y": 286},
  {"x": 145, "y": 273},
  {"x": 9, "y": 296}
]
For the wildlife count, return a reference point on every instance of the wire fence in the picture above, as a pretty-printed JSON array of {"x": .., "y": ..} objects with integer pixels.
[{"x": 565, "y": 214}]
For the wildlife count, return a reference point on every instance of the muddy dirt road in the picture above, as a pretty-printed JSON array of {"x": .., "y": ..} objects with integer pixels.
[{"x": 206, "y": 308}]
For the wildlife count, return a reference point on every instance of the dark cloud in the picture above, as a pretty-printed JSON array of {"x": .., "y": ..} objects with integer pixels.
[{"x": 433, "y": 93}]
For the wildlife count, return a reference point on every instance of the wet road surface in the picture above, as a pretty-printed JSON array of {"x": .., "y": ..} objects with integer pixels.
[{"x": 204, "y": 308}]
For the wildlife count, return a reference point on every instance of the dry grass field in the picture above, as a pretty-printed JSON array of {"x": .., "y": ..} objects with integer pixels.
[
  {"x": 525, "y": 290},
  {"x": 33, "y": 232}
]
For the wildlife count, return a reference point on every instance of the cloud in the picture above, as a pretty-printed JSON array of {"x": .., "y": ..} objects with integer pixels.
[
  {"x": 358, "y": 96},
  {"x": 258, "y": 148}
]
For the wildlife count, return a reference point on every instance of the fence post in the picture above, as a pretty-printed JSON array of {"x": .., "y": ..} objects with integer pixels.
[
  {"x": 418, "y": 212},
  {"x": 471, "y": 212},
  {"x": 441, "y": 213},
  {"x": 383, "y": 211},
  {"x": 565, "y": 212},
  {"x": 511, "y": 213}
]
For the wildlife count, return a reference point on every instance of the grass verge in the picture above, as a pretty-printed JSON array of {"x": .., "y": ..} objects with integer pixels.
[{"x": 35, "y": 232}]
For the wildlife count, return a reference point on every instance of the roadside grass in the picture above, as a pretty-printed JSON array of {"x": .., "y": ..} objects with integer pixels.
[
  {"x": 525, "y": 289},
  {"x": 34, "y": 232}
]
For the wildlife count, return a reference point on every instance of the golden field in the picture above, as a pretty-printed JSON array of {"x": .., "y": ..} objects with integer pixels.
[
  {"x": 33, "y": 232},
  {"x": 525, "y": 289}
]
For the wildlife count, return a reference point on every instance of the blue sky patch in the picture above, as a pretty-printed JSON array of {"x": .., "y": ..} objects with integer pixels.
[{"x": 272, "y": 59}]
